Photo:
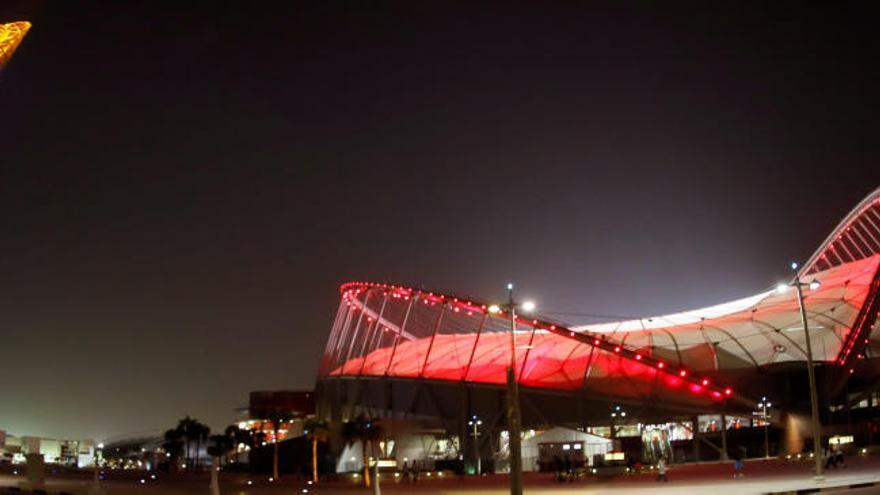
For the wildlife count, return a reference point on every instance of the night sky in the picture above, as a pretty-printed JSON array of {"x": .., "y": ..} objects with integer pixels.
[{"x": 184, "y": 185}]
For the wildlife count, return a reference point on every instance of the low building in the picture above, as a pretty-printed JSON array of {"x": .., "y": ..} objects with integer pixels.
[
  {"x": 74, "y": 453},
  {"x": 295, "y": 406}
]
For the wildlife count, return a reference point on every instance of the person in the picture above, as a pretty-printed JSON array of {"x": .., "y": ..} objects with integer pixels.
[
  {"x": 567, "y": 468},
  {"x": 661, "y": 469},
  {"x": 834, "y": 457},
  {"x": 839, "y": 456},
  {"x": 557, "y": 468},
  {"x": 830, "y": 457},
  {"x": 405, "y": 472},
  {"x": 738, "y": 461}
]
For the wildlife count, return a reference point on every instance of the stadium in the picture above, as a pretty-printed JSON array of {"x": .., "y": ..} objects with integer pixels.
[{"x": 428, "y": 364}]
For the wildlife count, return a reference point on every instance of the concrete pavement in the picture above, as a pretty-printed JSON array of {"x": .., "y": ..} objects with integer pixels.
[{"x": 761, "y": 477}]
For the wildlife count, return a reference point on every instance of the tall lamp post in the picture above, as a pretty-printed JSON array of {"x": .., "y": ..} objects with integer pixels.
[
  {"x": 475, "y": 423},
  {"x": 764, "y": 405},
  {"x": 811, "y": 374},
  {"x": 514, "y": 418},
  {"x": 616, "y": 412}
]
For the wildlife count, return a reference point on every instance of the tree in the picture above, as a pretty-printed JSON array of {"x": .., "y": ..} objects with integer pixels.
[
  {"x": 316, "y": 431},
  {"x": 185, "y": 430},
  {"x": 363, "y": 430},
  {"x": 173, "y": 446},
  {"x": 220, "y": 445},
  {"x": 277, "y": 417},
  {"x": 193, "y": 431},
  {"x": 201, "y": 432},
  {"x": 237, "y": 437}
]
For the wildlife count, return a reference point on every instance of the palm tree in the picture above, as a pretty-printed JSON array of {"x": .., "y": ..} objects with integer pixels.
[
  {"x": 317, "y": 431},
  {"x": 173, "y": 445},
  {"x": 363, "y": 430},
  {"x": 193, "y": 431},
  {"x": 201, "y": 432},
  {"x": 185, "y": 430},
  {"x": 220, "y": 446},
  {"x": 277, "y": 417},
  {"x": 237, "y": 436}
]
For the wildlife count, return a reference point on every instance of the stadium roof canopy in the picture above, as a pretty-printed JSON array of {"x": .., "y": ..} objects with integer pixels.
[{"x": 384, "y": 330}]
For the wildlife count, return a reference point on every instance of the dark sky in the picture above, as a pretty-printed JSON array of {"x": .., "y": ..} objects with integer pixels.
[{"x": 184, "y": 185}]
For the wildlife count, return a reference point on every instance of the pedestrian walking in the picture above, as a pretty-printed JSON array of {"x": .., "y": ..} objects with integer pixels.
[
  {"x": 738, "y": 456},
  {"x": 661, "y": 469}
]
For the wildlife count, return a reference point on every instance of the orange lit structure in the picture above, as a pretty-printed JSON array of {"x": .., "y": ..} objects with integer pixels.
[{"x": 11, "y": 35}]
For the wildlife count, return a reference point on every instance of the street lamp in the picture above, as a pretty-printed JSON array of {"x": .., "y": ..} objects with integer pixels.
[
  {"x": 616, "y": 412},
  {"x": 514, "y": 417},
  {"x": 476, "y": 423},
  {"x": 811, "y": 374},
  {"x": 764, "y": 405}
]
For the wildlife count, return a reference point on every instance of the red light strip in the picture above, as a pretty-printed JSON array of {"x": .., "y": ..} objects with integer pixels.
[{"x": 864, "y": 323}]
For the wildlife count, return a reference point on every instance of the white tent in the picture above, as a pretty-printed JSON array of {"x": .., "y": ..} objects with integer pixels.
[{"x": 591, "y": 444}]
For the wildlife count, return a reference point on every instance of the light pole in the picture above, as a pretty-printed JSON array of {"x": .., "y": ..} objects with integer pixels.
[
  {"x": 765, "y": 404},
  {"x": 811, "y": 374},
  {"x": 514, "y": 420},
  {"x": 616, "y": 412},
  {"x": 476, "y": 423}
]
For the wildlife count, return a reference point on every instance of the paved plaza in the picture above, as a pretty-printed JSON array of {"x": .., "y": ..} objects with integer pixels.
[{"x": 711, "y": 478}]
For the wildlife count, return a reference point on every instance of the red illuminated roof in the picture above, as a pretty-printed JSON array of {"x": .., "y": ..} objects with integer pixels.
[{"x": 384, "y": 330}]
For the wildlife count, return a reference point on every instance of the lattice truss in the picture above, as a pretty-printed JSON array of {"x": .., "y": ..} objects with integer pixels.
[
  {"x": 395, "y": 331},
  {"x": 11, "y": 35}
]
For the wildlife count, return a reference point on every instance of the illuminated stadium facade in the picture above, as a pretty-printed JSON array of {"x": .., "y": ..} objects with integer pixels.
[{"x": 423, "y": 357}]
